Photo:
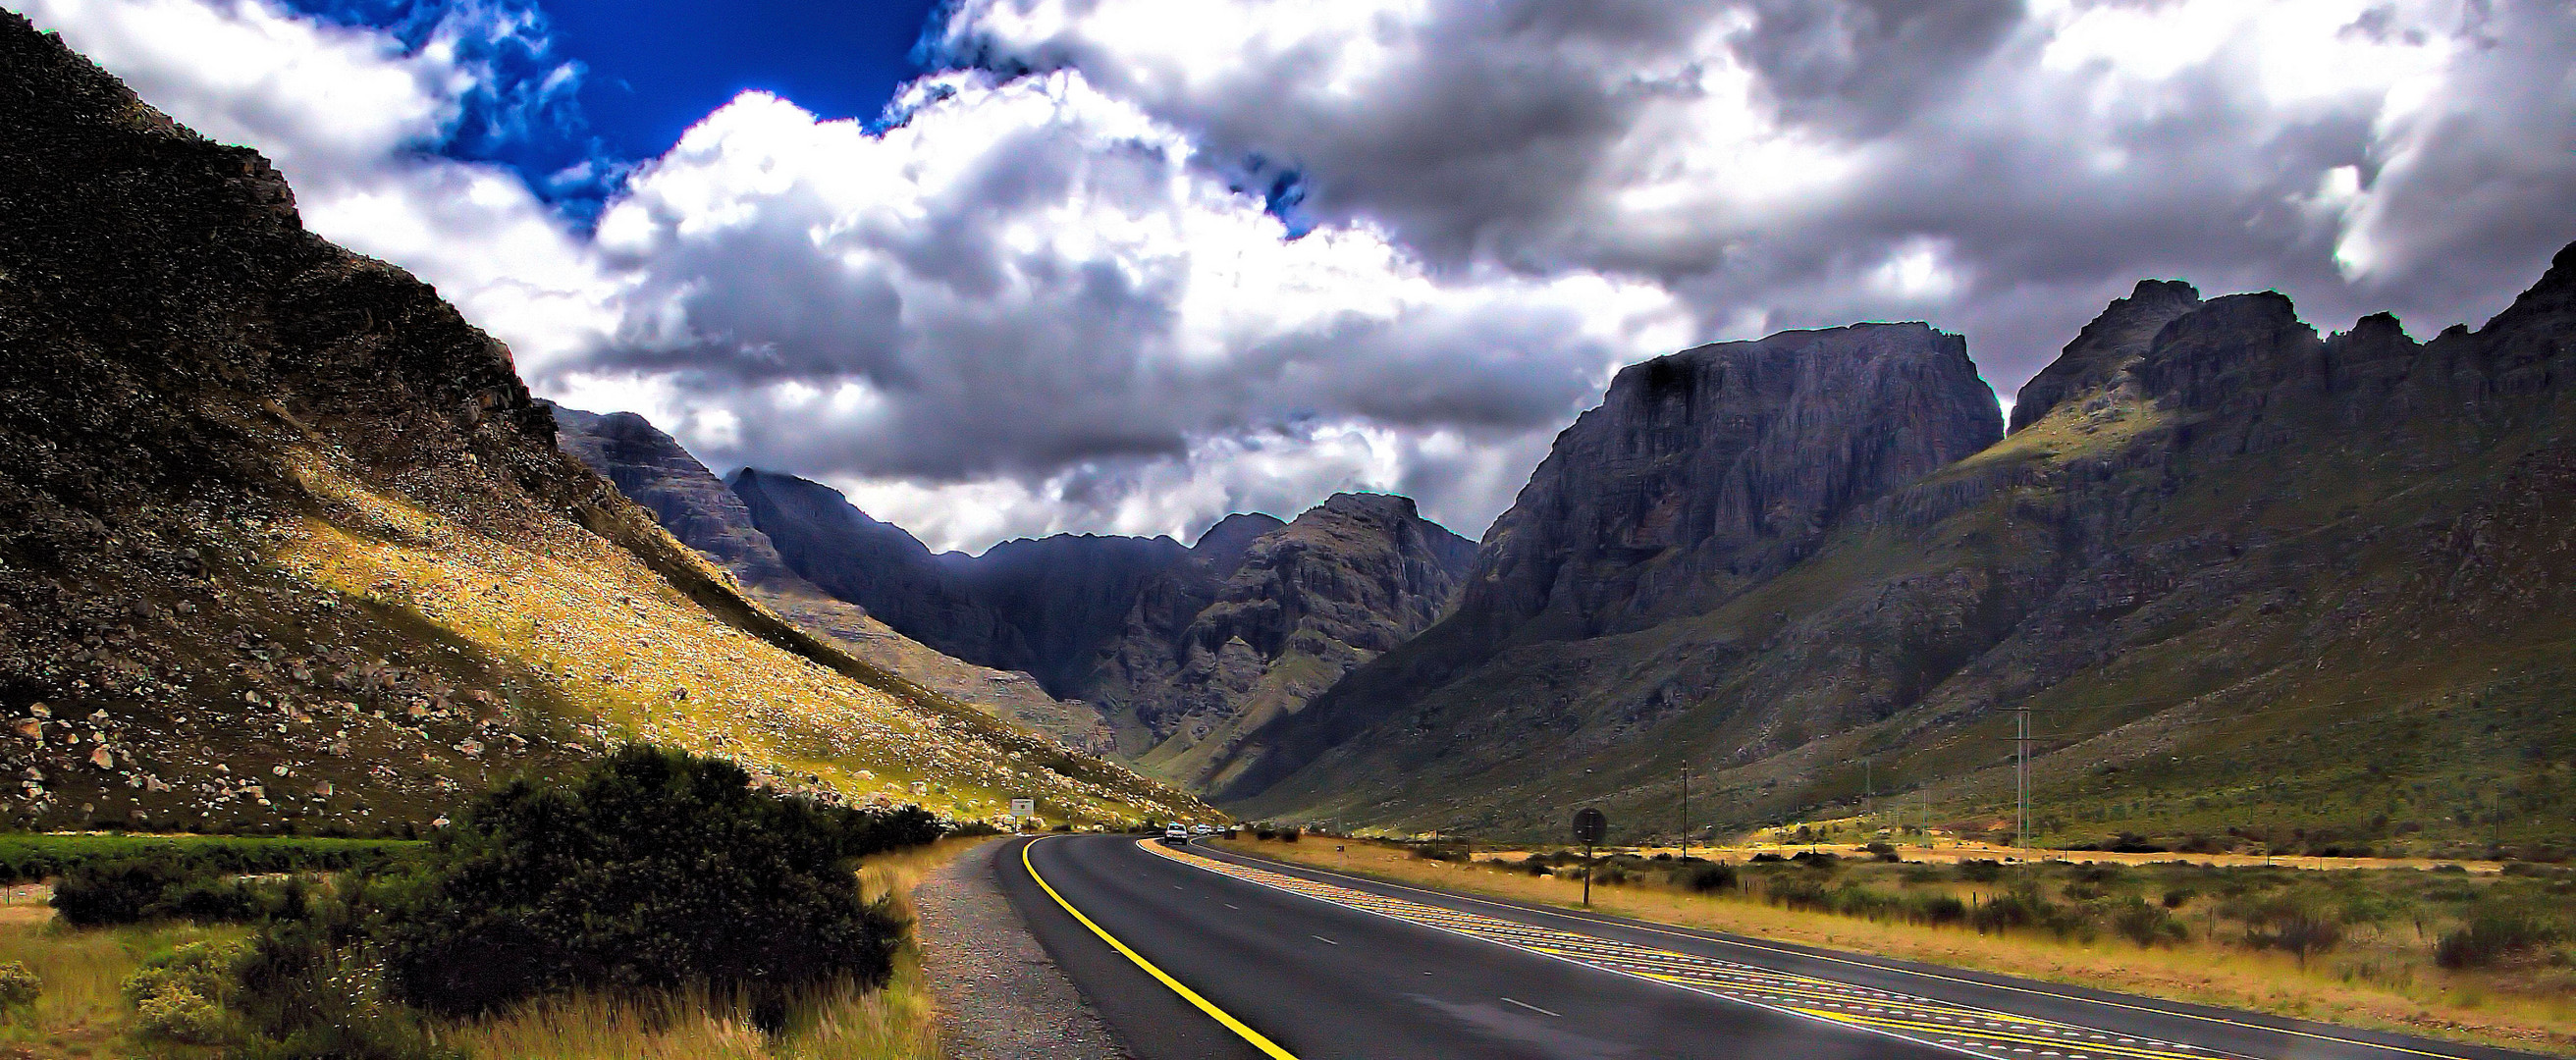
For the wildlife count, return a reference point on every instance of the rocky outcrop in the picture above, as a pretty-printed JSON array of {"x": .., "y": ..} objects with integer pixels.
[
  {"x": 1178, "y": 650},
  {"x": 654, "y": 470},
  {"x": 1304, "y": 604},
  {"x": 2216, "y": 546}
]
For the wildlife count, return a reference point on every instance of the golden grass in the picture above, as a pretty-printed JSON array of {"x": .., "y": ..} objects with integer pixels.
[
  {"x": 80, "y": 1013},
  {"x": 610, "y": 635},
  {"x": 2392, "y": 986},
  {"x": 838, "y": 1023}
]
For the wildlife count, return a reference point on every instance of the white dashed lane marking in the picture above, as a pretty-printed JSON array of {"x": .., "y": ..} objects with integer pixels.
[{"x": 1921, "y": 1020}]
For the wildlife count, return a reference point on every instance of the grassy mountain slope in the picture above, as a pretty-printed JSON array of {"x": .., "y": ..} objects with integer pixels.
[
  {"x": 287, "y": 543},
  {"x": 655, "y": 471},
  {"x": 2256, "y": 585}
]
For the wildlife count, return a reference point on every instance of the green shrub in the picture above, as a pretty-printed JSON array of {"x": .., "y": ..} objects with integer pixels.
[
  {"x": 656, "y": 869},
  {"x": 2146, "y": 925},
  {"x": 2491, "y": 935},
  {"x": 179, "y": 996},
  {"x": 1288, "y": 835},
  {"x": 19, "y": 986},
  {"x": 310, "y": 991},
  {"x": 1981, "y": 870},
  {"x": 115, "y": 892},
  {"x": 1940, "y": 909},
  {"x": 1707, "y": 879},
  {"x": 2292, "y": 921}
]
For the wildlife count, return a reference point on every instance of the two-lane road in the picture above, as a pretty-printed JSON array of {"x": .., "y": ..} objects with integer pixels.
[{"x": 1210, "y": 954}]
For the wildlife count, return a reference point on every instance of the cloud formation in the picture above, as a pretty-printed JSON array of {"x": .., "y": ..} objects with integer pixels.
[{"x": 1132, "y": 265}]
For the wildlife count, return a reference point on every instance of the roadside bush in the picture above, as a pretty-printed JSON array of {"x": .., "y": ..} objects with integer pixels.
[
  {"x": 1883, "y": 852},
  {"x": 1456, "y": 852},
  {"x": 2491, "y": 935},
  {"x": 1706, "y": 879},
  {"x": 2294, "y": 922},
  {"x": 310, "y": 990},
  {"x": 19, "y": 986},
  {"x": 1264, "y": 834},
  {"x": 1288, "y": 835},
  {"x": 2176, "y": 897},
  {"x": 1767, "y": 858},
  {"x": 1940, "y": 909},
  {"x": 656, "y": 869},
  {"x": 2146, "y": 925},
  {"x": 1981, "y": 870}
]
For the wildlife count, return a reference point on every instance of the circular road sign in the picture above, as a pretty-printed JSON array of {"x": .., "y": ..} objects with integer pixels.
[{"x": 1590, "y": 826}]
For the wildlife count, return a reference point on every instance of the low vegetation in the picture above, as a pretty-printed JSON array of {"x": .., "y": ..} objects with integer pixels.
[
  {"x": 2487, "y": 957},
  {"x": 657, "y": 905}
]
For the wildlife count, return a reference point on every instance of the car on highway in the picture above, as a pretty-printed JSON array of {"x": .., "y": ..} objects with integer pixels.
[
  {"x": 1200, "y": 829},
  {"x": 1176, "y": 834}
]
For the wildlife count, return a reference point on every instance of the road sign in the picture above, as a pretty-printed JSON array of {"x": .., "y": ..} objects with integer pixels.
[
  {"x": 1590, "y": 826},
  {"x": 1024, "y": 807}
]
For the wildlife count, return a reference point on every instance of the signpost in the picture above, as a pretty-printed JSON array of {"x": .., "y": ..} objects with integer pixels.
[
  {"x": 1024, "y": 808},
  {"x": 1590, "y": 827}
]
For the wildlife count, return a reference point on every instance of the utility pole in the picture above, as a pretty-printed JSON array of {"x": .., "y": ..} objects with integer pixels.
[
  {"x": 2021, "y": 777},
  {"x": 1685, "y": 813},
  {"x": 1869, "y": 792}
]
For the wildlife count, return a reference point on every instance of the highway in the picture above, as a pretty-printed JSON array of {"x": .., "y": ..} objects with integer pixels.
[{"x": 1207, "y": 953}]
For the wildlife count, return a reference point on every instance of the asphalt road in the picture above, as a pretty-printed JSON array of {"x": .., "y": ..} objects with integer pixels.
[{"x": 1320, "y": 965}]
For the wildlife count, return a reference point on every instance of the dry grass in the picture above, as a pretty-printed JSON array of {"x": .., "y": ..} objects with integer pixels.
[
  {"x": 837, "y": 1023},
  {"x": 80, "y": 1013},
  {"x": 2368, "y": 987},
  {"x": 614, "y": 638}
]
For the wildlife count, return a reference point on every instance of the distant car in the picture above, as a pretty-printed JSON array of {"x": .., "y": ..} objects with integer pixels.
[
  {"x": 1176, "y": 835},
  {"x": 1200, "y": 829}
]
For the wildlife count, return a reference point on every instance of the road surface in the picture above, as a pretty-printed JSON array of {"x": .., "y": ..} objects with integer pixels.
[{"x": 1207, "y": 953}]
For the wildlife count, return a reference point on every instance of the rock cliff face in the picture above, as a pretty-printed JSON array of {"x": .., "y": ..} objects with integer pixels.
[
  {"x": 2250, "y": 576},
  {"x": 1306, "y": 603},
  {"x": 286, "y": 542},
  {"x": 654, "y": 470},
  {"x": 1701, "y": 474}
]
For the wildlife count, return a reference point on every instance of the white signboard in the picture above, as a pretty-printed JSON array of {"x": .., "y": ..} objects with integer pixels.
[{"x": 1024, "y": 807}]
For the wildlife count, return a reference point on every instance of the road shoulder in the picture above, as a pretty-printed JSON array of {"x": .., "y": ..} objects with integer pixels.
[{"x": 1000, "y": 996}]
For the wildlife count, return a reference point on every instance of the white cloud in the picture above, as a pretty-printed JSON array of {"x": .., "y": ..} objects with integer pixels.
[{"x": 1055, "y": 301}]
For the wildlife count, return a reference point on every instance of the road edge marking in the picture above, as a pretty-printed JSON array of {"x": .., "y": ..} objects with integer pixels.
[
  {"x": 1267, "y": 1047},
  {"x": 1706, "y": 937}
]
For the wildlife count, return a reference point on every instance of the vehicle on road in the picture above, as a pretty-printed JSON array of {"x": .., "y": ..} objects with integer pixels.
[
  {"x": 1200, "y": 829},
  {"x": 1176, "y": 834}
]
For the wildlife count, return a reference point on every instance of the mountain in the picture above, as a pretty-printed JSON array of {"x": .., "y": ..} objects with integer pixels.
[
  {"x": 1178, "y": 650},
  {"x": 288, "y": 545},
  {"x": 654, "y": 470},
  {"x": 2246, "y": 577},
  {"x": 1305, "y": 603}
]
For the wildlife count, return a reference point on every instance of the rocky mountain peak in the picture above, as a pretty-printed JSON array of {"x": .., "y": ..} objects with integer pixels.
[
  {"x": 2119, "y": 336},
  {"x": 1706, "y": 469},
  {"x": 1221, "y": 547}
]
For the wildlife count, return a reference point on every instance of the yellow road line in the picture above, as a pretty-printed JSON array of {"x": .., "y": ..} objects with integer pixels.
[
  {"x": 2220, "y": 1020},
  {"x": 1267, "y": 1047}
]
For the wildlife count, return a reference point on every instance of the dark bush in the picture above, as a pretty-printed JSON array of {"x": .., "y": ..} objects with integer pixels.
[
  {"x": 2176, "y": 897},
  {"x": 1707, "y": 879},
  {"x": 1264, "y": 834},
  {"x": 115, "y": 892},
  {"x": 1766, "y": 857},
  {"x": 1940, "y": 909},
  {"x": 1981, "y": 870},
  {"x": 654, "y": 870},
  {"x": 1456, "y": 852},
  {"x": 2491, "y": 935},
  {"x": 1288, "y": 835},
  {"x": 2297, "y": 923},
  {"x": 2146, "y": 925},
  {"x": 1817, "y": 859}
]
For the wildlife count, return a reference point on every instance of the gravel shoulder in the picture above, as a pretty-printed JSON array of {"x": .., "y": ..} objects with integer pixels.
[{"x": 1000, "y": 996}]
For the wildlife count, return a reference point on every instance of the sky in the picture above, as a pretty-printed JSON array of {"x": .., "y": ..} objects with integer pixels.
[{"x": 1002, "y": 268}]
